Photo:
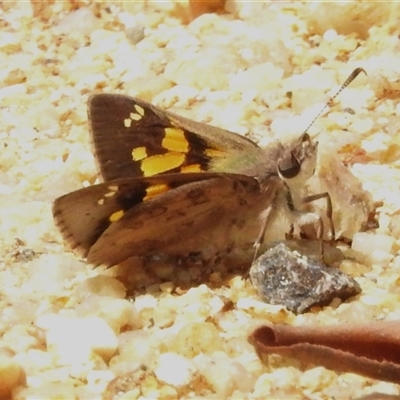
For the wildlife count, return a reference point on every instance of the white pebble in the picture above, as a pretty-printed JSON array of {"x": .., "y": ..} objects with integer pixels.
[
  {"x": 330, "y": 35},
  {"x": 223, "y": 374},
  {"x": 102, "y": 285},
  {"x": 74, "y": 339},
  {"x": 117, "y": 313},
  {"x": 174, "y": 369},
  {"x": 146, "y": 301},
  {"x": 7, "y": 93},
  {"x": 376, "y": 143},
  {"x": 49, "y": 273},
  {"x": 367, "y": 243},
  {"x": 379, "y": 257},
  {"x": 82, "y": 20},
  {"x": 135, "y": 346}
]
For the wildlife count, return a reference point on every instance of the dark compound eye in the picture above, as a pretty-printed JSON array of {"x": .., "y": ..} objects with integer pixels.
[{"x": 289, "y": 167}]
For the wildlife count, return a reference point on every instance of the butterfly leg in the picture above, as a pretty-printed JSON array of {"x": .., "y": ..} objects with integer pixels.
[
  {"x": 260, "y": 238},
  {"x": 327, "y": 197},
  {"x": 311, "y": 224}
]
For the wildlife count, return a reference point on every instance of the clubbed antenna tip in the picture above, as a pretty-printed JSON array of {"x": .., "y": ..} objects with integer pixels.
[{"x": 346, "y": 83}]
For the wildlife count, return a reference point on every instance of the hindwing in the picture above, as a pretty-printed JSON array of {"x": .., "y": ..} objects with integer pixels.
[{"x": 112, "y": 221}]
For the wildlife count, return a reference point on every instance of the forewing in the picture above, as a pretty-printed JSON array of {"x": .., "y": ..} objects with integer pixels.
[
  {"x": 133, "y": 138},
  {"x": 113, "y": 221}
]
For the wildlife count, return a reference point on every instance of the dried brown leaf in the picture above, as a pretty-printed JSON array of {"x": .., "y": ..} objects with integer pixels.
[
  {"x": 371, "y": 349},
  {"x": 379, "y": 396}
]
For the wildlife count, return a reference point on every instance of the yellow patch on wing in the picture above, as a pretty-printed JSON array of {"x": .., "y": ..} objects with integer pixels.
[
  {"x": 135, "y": 116},
  {"x": 174, "y": 140},
  {"x": 161, "y": 163},
  {"x": 139, "y": 153},
  {"x": 155, "y": 190},
  {"x": 139, "y": 109},
  {"x": 116, "y": 216},
  {"x": 191, "y": 168},
  {"x": 112, "y": 190}
]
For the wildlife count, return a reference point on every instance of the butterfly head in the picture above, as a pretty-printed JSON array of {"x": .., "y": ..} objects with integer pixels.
[{"x": 297, "y": 164}]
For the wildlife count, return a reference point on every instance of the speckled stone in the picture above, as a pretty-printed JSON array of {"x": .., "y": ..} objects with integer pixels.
[{"x": 283, "y": 276}]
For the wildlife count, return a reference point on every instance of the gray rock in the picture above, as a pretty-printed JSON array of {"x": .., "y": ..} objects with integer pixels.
[{"x": 284, "y": 276}]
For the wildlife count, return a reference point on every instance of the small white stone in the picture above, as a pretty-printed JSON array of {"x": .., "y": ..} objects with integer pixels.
[
  {"x": 49, "y": 272},
  {"x": 174, "y": 369},
  {"x": 9, "y": 92},
  {"x": 102, "y": 285},
  {"x": 368, "y": 243},
  {"x": 376, "y": 143},
  {"x": 330, "y": 35},
  {"x": 396, "y": 262},
  {"x": 379, "y": 257},
  {"x": 386, "y": 388},
  {"x": 216, "y": 305},
  {"x": 146, "y": 301},
  {"x": 117, "y": 313},
  {"x": 135, "y": 347},
  {"x": 223, "y": 374},
  {"x": 82, "y": 20},
  {"x": 35, "y": 360},
  {"x": 74, "y": 339}
]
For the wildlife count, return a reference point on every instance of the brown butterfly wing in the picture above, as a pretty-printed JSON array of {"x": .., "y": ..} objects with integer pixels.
[
  {"x": 130, "y": 135},
  {"x": 113, "y": 221}
]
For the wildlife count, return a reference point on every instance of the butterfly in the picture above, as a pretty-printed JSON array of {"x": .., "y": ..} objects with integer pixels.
[{"x": 178, "y": 188}]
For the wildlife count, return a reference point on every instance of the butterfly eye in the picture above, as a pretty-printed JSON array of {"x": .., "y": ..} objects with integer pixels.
[
  {"x": 306, "y": 138},
  {"x": 289, "y": 167}
]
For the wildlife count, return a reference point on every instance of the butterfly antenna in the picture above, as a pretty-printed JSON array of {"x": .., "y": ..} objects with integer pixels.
[{"x": 346, "y": 83}]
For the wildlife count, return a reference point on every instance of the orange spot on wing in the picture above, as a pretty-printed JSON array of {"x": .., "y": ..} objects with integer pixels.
[
  {"x": 191, "y": 168},
  {"x": 155, "y": 190},
  {"x": 114, "y": 217},
  {"x": 174, "y": 140},
  {"x": 162, "y": 163},
  {"x": 139, "y": 153}
]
